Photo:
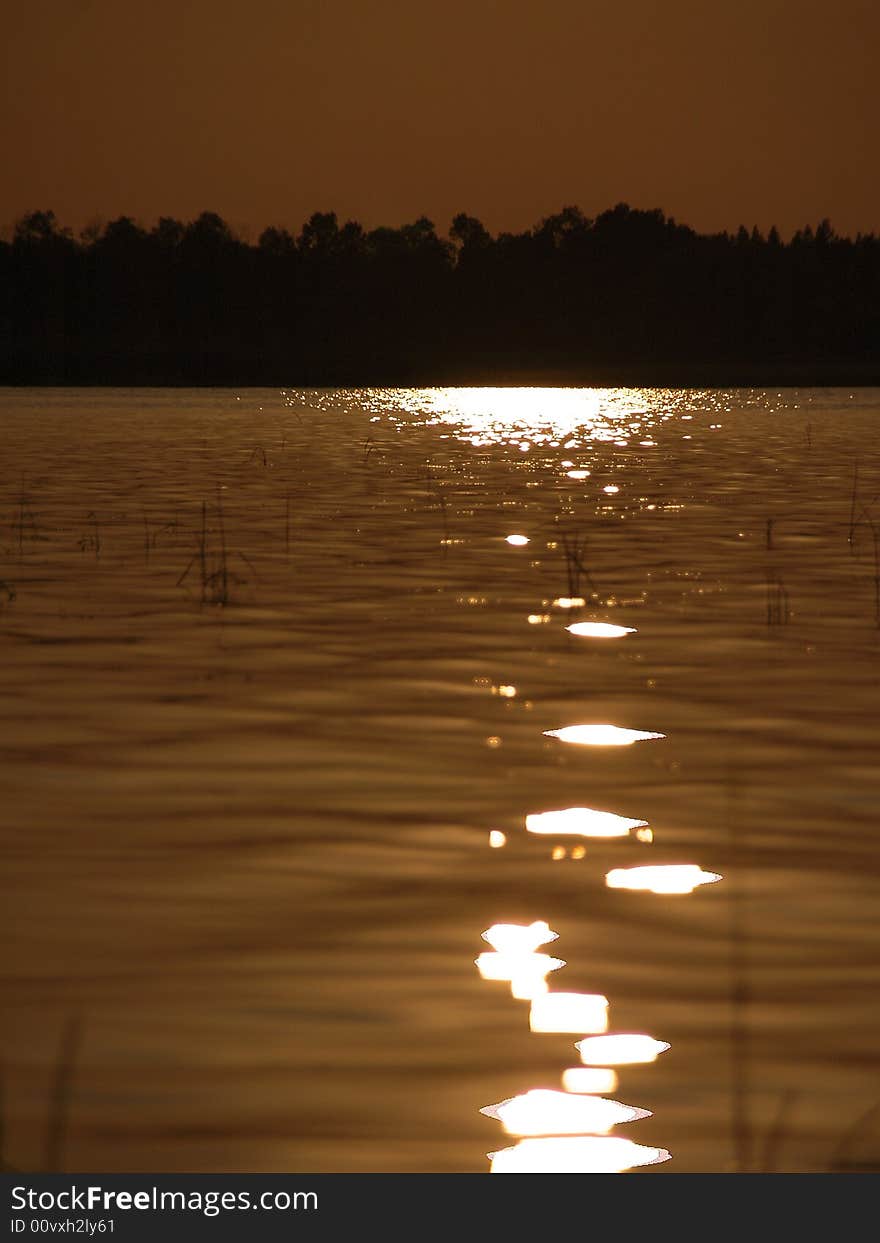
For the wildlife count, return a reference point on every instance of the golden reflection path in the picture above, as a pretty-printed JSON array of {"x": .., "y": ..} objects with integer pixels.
[{"x": 566, "y": 1131}]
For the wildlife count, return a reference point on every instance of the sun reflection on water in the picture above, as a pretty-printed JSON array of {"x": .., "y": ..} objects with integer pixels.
[
  {"x": 620, "y": 1049},
  {"x": 519, "y": 938},
  {"x": 527, "y": 417},
  {"x": 581, "y": 822},
  {"x": 597, "y": 1079},
  {"x": 599, "y": 630},
  {"x": 600, "y": 735},
  {"x": 661, "y": 878},
  {"x": 588, "y": 1154},
  {"x": 569, "y": 1012},
  {"x": 565, "y": 1131},
  {"x": 543, "y": 1111},
  {"x": 525, "y": 972}
]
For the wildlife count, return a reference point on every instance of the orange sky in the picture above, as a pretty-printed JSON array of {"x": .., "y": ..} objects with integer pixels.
[{"x": 760, "y": 111}]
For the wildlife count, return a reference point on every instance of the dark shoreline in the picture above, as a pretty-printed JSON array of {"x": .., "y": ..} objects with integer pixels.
[{"x": 630, "y": 298}]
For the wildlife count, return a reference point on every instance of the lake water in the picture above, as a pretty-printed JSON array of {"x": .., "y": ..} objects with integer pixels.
[{"x": 273, "y": 673}]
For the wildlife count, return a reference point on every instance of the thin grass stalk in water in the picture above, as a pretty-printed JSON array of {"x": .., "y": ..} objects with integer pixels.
[
  {"x": 866, "y": 516},
  {"x": 574, "y": 548},
  {"x": 852, "y": 509},
  {"x": 59, "y": 1102},
  {"x": 738, "y": 963},
  {"x": 440, "y": 499},
  {"x": 839, "y": 1160},
  {"x": 778, "y": 607},
  {"x": 203, "y": 551},
  {"x": 223, "y": 568},
  {"x": 24, "y": 521},
  {"x": 776, "y": 1133}
]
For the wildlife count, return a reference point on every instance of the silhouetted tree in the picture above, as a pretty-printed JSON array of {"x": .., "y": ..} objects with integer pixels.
[{"x": 630, "y": 296}]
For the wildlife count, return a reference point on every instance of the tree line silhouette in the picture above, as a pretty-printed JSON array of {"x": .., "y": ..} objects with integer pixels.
[{"x": 628, "y": 297}]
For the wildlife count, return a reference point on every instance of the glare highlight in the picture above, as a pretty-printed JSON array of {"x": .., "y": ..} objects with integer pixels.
[
  {"x": 599, "y": 630},
  {"x": 581, "y": 822},
  {"x": 663, "y": 878},
  {"x": 546, "y": 1112},
  {"x": 569, "y": 1012},
  {"x": 589, "y": 1079},
  {"x": 574, "y": 1155},
  {"x": 624, "y": 1049},
  {"x": 600, "y": 735},
  {"x": 519, "y": 938}
]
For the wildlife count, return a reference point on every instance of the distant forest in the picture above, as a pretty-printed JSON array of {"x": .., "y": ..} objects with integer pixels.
[{"x": 630, "y": 297}]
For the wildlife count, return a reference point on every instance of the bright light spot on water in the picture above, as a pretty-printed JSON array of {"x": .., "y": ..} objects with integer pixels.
[
  {"x": 569, "y": 602},
  {"x": 494, "y": 741},
  {"x": 578, "y": 852},
  {"x": 589, "y": 1079},
  {"x": 581, "y": 822},
  {"x": 507, "y": 692},
  {"x": 519, "y": 938},
  {"x": 538, "y": 619},
  {"x": 600, "y": 735},
  {"x": 578, "y": 474},
  {"x": 525, "y": 972},
  {"x": 546, "y": 1112},
  {"x": 527, "y": 986},
  {"x": 645, "y": 835},
  {"x": 557, "y": 853},
  {"x": 668, "y": 878},
  {"x": 518, "y": 541},
  {"x": 611, "y": 488},
  {"x": 574, "y": 1155},
  {"x": 569, "y": 1012},
  {"x": 497, "y": 839},
  {"x": 599, "y": 630},
  {"x": 620, "y": 1050}
]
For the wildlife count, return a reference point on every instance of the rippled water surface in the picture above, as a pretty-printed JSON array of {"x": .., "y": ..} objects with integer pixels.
[{"x": 279, "y": 692}]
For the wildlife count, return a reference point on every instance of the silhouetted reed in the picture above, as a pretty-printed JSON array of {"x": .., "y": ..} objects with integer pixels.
[
  {"x": 778, "y": 606},
  {"x": 61, "y": 1091},
  {"x": 439, "y": 500},
  {"x": 867, "y": 517},
  {"x": 574, "y": 548},
  {"x": 24, "y": 520},
  {"x": 211, "y": 559},
  {"x": 851, "y": 538},
  {"x": 739, "y": 982},
  {"x": 776, "y": 1133},
  {"x": 91, "y": 542},
  {"x": 841, "y": 1160}
]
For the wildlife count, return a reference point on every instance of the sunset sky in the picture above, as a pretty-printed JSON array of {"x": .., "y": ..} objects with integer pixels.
[{"x": 757, "y": 112}]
